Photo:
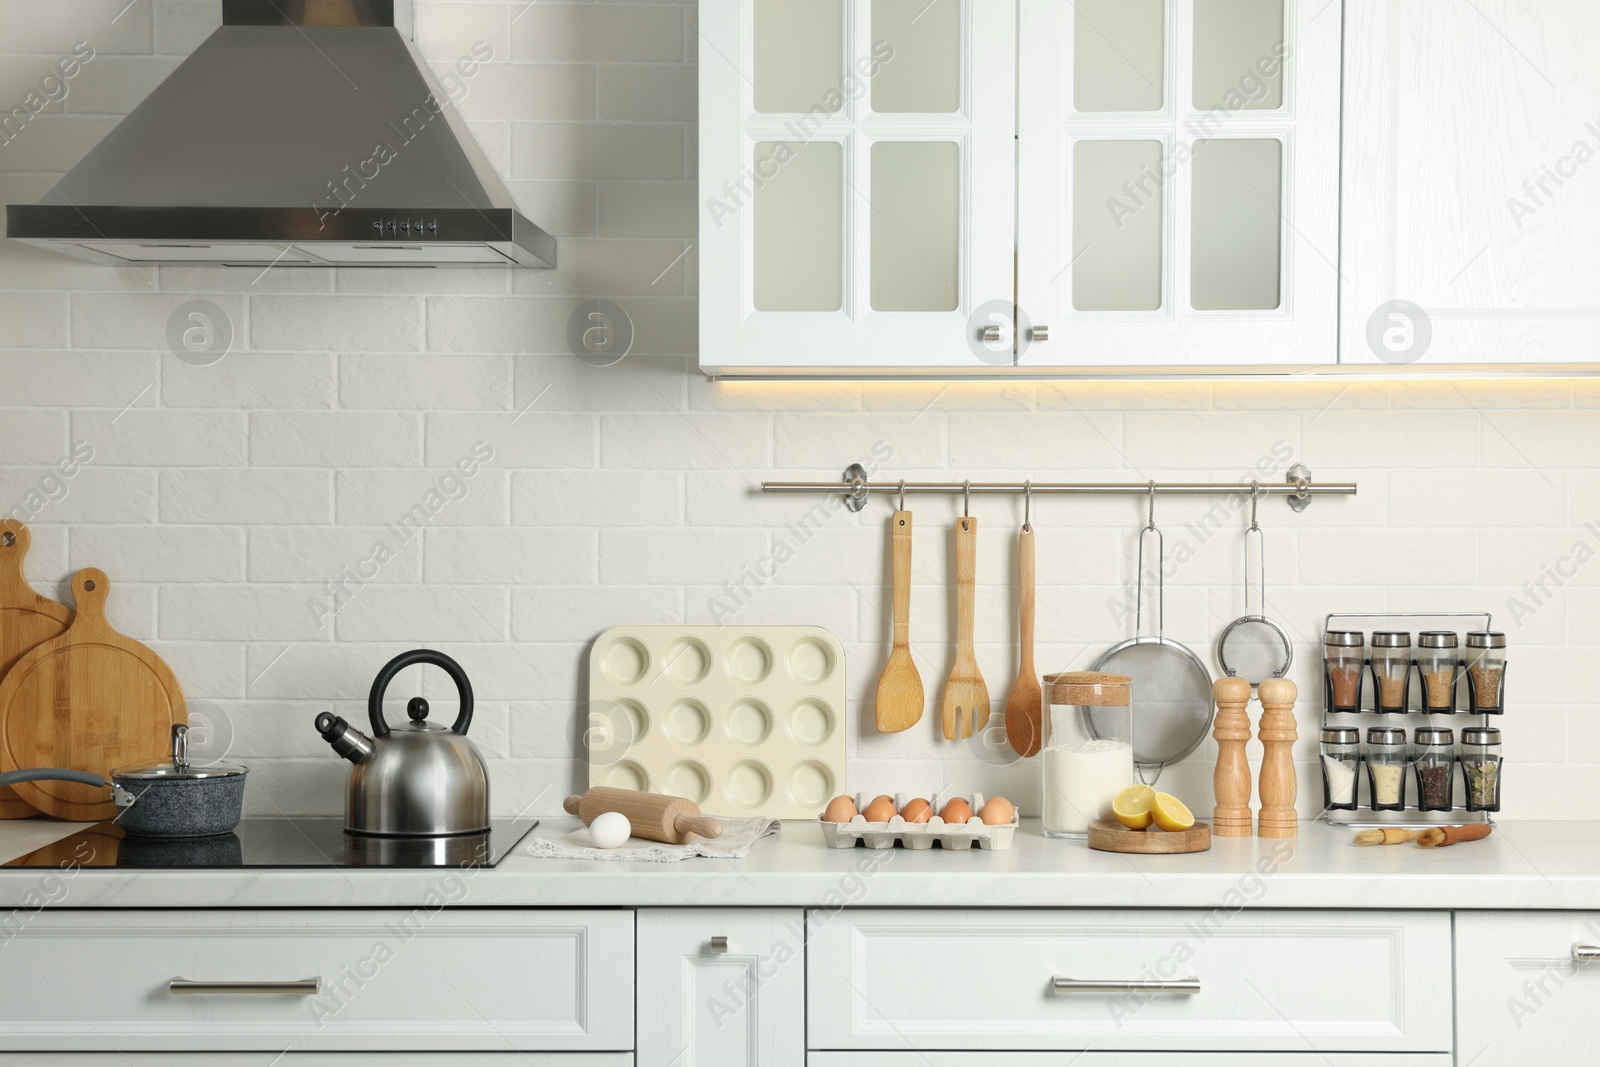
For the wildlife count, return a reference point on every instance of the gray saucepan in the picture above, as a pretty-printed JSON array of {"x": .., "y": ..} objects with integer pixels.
[{"x": 173, "y": 798}]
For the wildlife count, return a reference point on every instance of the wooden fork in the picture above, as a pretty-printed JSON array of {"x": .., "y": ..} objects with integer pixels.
[{"x": 966, "y": 698}]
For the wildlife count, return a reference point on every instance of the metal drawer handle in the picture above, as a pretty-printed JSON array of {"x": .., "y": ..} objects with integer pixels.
[
  {"x": 719, "y": 946},
  {"x": 1187, "y": 987},
  {"x": 305, "y": 987},
  {"x": 1585, "y": 953}
]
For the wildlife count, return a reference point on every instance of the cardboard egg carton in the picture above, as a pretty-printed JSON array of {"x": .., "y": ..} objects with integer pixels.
[{"x": 897, "y": 831}]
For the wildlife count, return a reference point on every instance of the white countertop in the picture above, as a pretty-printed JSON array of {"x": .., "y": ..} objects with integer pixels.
[{"x": 1539, "y": 865}]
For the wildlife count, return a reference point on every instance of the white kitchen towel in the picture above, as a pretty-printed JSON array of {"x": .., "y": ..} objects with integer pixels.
[{"x": 734, "y": 844}]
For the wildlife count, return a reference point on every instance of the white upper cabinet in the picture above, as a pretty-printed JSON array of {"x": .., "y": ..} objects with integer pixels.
[
  {"x": 856, "y": 183},
  {"x": 1472, "y": 134},
  {"x": 1178, "y": 183}
]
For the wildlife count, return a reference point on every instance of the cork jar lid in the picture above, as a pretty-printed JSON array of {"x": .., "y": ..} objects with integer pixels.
[{"x": 1090, "y": 689}]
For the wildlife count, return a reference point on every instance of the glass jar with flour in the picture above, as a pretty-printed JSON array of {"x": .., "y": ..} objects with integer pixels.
[
  {"x": 1083, "y": 771},
  {"x": 1341, "y": 761}
]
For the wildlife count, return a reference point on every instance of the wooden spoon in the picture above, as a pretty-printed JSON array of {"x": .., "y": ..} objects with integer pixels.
[
  {"x": 966, "y": 698},
  {"x": 1023, "y": 727},
  {"x": 900, "y": 696}
]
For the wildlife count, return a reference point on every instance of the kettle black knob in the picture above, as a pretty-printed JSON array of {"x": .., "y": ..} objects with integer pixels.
[{"x": 418, "y": 707}]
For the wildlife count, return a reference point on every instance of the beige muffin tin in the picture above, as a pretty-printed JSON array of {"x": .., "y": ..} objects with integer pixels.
[
  {"x": 897, "y": 831},
  {"x": 740, "y": 720}
]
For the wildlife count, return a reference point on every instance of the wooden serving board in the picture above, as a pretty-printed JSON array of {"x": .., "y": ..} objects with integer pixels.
[
  {"x": 89, "y": 700},
  {"x": 27, "y": 620},
  {"x": 1108, "y": 835}
]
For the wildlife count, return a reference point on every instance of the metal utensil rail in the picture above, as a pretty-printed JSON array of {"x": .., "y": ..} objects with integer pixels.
[{"x": 1298, "y": 488}]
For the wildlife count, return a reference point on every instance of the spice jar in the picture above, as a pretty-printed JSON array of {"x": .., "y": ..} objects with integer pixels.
[
  {"x": 1341, "y": 667},
  {"x": 1341, "y": 762},
  {"x": 1387, "y": 756},
  {"x": 1391, "y": 669},
  {"x": 1436, "y": 768},
  {"x": 1481, "y": 763},
  {"x": 1486, "y": 671},
  {"x": 1438, "y": 659},
  {"x": 1088, "y": 754}
]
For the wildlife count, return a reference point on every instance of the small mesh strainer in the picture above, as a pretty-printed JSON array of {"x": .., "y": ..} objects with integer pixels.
[
  {"x": 1171, "y": 687},
  {"x": 1254, "y": 647}
]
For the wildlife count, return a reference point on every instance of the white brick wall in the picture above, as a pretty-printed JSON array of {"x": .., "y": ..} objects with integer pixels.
[{"x": 224, "y": 500}]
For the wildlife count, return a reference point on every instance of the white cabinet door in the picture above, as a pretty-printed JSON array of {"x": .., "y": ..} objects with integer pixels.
[
  {"x": 1471, "y": 153},
  {"x": 1130, "y": 981},
  {"x": 736, "y": 1002},
  {"x": 1178, "y": 183},
  {"x": 1522, "y": 994},
  {"x": 856, "y": 182}
]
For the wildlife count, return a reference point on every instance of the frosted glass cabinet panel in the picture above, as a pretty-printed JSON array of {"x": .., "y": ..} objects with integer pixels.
[
  {"x": 798, "y": 52},
  {"x": 924, "y": 74},
  {"x": 799, "y": 226},
  {"x": 916, "y": 224},
  {"x": 1192, "y": 227},
  {"x": 857, "y": 185},
  {"x": 1237, "y": 228},
  {"x": 1117, "y": 249},
  {"x": 1119, "y": 55}
]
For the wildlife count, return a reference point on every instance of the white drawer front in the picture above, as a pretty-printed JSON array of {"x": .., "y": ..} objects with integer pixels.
[
  {"x": 317, "y": 1059},
  {"x": 1124, "y": 1059},
  {"x": 1269, "y": 981},
  {"x": 412, "y": 980},
  {"x": 1521, "y": 996}
]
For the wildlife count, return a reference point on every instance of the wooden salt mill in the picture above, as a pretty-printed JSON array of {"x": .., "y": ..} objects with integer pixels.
[
  {"x": 1278, "y": 782},
  {"x": 1231, "y": 780}
]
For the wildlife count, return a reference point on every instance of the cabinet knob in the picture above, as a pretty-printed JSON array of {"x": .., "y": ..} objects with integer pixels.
[
  {"x": 1585, "y": 953},
  {"x": 719, "y": 946},
  {"x": 1039, "y": 333},
  {"x": 991, "y": 335}
]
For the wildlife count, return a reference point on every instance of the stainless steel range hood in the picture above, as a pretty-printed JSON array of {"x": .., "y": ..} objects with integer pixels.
[{"x": 301, "y": 132}]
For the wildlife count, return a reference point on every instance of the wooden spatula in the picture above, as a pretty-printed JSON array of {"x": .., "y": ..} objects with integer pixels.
[
  {"x": 900, "y": 695},
  {"x": 966, "y": 698},
  {"x": 1023, "y": 727}
]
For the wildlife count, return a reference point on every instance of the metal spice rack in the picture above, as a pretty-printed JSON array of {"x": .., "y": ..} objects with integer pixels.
[{"x": 1412, "y": 817}]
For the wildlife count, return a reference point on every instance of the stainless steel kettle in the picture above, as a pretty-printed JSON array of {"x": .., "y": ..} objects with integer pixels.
[{"x": 418, "y": 779}]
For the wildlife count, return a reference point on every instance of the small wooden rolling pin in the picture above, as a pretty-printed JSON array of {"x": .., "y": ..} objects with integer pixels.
[
  {"x": 1433, "y": 837},
  {"x": 670, "y": 820}
]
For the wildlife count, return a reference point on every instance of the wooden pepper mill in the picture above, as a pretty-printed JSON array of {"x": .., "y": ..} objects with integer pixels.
[
  {"x": 1278, "y": 780},
  {"x": 1231, "y": 781}
]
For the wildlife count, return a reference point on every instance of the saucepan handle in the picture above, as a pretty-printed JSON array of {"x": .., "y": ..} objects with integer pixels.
[{"x": 53, "y": 774}]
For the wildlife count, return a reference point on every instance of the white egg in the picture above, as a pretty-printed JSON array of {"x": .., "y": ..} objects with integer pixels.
[{"x": 610, "y": 829}]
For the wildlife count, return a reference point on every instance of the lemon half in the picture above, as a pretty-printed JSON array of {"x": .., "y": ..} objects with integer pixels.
[
  {"x": 1132, "y": 806},
  {"x": 1171, "y": 814}
]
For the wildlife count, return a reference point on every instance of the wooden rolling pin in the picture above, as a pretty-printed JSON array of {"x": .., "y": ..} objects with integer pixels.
[
  {"x": 654, "y": 817},
  {"x": 1440, "y": 836}
]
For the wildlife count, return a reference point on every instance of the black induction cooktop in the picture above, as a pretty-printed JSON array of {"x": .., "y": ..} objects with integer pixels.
[{"x": 278, "y": 843}]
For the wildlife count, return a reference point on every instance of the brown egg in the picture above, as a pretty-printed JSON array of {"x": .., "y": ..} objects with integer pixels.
[
  {"x": 957, "y": 811},
  {"x": 917, "y": 810},
  {"x": 880, "y": 810},
  {"x": 998, "y": 811},
  {"x": 839, "y": 809}
]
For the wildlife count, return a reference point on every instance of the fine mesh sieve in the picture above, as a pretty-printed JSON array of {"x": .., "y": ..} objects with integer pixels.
[
  {"x": 1171, "y": 687},
  {"x": 1254, "y": 647}
]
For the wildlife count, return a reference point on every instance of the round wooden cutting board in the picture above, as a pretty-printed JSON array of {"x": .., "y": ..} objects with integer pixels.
[
  {"x": 1108, "y": 835},
  {"x": 27, "y": 620},
  {"x": 89, "y": 700}
]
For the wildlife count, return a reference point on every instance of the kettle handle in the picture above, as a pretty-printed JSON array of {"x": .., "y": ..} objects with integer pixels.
[{"x": 380, "y": 728}]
